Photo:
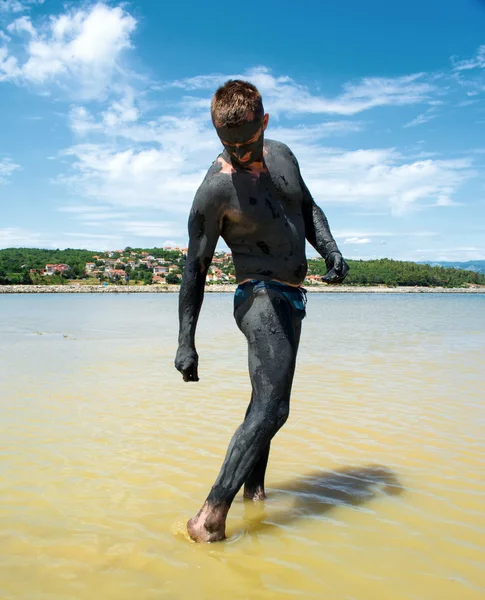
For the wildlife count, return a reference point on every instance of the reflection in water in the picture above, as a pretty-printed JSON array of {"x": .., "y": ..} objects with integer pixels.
[{"x": 375, "y": 484}]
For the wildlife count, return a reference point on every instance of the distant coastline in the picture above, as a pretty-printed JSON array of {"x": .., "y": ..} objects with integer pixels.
[{"x": 171, "y": 289}]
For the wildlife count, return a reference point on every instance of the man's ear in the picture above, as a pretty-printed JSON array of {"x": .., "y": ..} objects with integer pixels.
[{"x": 265, "y": 121}]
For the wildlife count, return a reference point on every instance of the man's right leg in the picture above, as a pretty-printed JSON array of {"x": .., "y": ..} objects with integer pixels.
[{"x": 267, "y": 322}]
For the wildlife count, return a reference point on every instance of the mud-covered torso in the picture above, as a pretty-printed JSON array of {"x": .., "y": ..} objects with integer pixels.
[{"x": 263, "y": 223}]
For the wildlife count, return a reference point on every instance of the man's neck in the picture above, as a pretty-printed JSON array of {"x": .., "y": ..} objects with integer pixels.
[{"x": 255, "y": 168}]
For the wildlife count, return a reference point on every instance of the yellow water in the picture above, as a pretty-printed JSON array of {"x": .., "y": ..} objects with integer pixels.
[{"x": 376, "y": 484}]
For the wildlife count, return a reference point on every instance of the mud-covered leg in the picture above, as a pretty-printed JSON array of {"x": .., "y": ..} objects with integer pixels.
[
  {"x": 268, "y": 326},
  {"x": 254, "y": 484}
]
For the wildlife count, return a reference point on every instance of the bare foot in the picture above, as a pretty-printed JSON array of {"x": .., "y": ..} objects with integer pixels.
[
  {"x": 208, "y": 525},
  {"x": 255, "y": 494}
]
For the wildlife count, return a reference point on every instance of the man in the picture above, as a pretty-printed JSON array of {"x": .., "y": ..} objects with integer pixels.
[{"x": 254, "y": 197}]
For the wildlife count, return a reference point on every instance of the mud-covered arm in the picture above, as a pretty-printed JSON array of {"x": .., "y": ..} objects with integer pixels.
[
  {"x": 204, "y": 227},
  {"x": 317, "y": 232}
]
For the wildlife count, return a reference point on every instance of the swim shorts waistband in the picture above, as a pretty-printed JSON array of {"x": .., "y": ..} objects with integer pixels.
[{"x": 296, "y": 296}]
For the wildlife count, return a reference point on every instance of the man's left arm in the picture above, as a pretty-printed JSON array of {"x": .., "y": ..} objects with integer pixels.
[{"x": 317, "y": 232}]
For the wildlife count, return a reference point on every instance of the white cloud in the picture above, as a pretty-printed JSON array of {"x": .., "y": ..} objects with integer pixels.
[
  {"x": 156, "y": 178},
  {"x": 154, "y": 229},
  {"x": 357, "y": 234},
  {"x": 17, "y": 6},
  {"x": 477, "y": 62},
  {"x": 130, "y": 161},
  {"x": 357, "y": 240},
  {"x": 166, "y": 177},
  {"x": 425, "y": 117},
  {"x": 8, "y": 65},
  {"x": 470, "y": 74},
  {"x": 157, "y": 164},
  {"x": 306, "y": 133},
  {"x": 7, "y": 168},
  {"x": 12, "y": 237},
  {"x": 283, "y": 95},
  {"x": 458, "y": 253},
  {"x": 122, "y": 111},
  {"x": 380, "y": 177},
  {"x": 79, "y": 50},
  {"x": 93, "y": 236}
]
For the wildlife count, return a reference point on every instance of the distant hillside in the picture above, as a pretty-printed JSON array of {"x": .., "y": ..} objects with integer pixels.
[
  {"x": 29, "y": 266},
  {"x": 395, "y": 272},
  {"x": 478, "y": 266}
]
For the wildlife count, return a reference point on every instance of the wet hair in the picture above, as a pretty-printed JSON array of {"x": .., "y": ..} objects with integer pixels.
[{"x": 235, "y": 102}]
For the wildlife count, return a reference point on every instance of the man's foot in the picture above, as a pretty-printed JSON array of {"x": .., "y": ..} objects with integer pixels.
[
  {"x": 255, "y": 494},
  {"x": 208, "y": 525}
]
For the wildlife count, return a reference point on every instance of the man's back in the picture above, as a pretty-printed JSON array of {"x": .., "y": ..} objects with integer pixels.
[{"x": 262, "y": 220}]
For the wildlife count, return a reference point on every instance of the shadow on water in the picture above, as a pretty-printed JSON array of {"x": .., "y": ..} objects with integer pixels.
[{"x": 318, "y": 492}]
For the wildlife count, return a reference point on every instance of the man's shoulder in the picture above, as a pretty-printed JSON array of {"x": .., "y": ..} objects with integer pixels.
[
  {"x": 275, "y": 148},
  {"x": 215, "y": 186}
]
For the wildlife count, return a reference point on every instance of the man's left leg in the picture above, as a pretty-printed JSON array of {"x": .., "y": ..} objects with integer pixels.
[{"x": 254, "y": 484}]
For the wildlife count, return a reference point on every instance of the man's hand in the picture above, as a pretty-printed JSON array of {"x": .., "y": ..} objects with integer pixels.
[
  {"x": 187, "y": 362},
  {"x": 337, "y": 268}
]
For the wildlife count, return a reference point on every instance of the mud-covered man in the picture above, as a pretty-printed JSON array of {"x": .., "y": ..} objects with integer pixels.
[{"x": 254, "y": 197}]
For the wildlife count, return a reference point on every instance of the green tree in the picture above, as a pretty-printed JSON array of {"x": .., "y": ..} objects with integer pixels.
[{"x": 173, "y": 279}]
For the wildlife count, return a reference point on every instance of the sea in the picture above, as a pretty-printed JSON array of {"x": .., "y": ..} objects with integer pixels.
[{"x": 376, "y": 484}]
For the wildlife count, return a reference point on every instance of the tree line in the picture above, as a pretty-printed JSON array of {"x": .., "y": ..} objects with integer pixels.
[
  {"x": 390, "y": 272},
  {"x": 16, "y": 265}
]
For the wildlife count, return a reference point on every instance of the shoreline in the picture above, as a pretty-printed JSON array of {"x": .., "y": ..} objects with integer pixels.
[{"x": 172, "y": 289}]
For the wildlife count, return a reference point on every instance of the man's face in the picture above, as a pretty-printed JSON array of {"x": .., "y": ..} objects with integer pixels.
[{"x": 244, "y": 143}]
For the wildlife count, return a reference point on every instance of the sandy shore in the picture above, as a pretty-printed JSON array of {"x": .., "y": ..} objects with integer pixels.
[{"x": 157, "y": 289}]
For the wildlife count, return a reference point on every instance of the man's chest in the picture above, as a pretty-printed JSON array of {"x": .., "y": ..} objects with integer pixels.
[{"x": 273, "y": 195}]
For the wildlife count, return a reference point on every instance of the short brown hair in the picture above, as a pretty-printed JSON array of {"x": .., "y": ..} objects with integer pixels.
[{"x": 233, "y": 103}]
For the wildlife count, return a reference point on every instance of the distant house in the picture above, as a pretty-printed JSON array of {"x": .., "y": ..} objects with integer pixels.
[
  {"x": 213, "y": 269},
  {"x": 90, "y": 267},
  {"x": 215, "y": 274},
  {"x": 160, "y": 270},
  {"x": 52, "y": 269},
  {"x": 313, "y": 279},
  {"x": 116, "y": 273},
  {"x": 158, "y": 279}
]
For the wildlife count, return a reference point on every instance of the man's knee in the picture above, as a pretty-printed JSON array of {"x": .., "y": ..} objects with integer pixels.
[
  {"x": 283, "y": 413},
  {"x": 273, "y": 417}
]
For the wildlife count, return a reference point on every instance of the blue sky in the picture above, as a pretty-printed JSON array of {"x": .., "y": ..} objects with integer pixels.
[{"x": 105, "y": 130}]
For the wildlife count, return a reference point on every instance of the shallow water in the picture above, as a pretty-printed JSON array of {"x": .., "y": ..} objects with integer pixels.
[{"x": 376, "y": 483}]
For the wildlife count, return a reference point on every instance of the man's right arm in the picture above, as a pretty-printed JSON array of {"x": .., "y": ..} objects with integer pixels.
[{"x": 205, "y": 222}]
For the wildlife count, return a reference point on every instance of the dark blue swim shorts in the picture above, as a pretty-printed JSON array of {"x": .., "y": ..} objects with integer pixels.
[{"x": 296, "y": 296}]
